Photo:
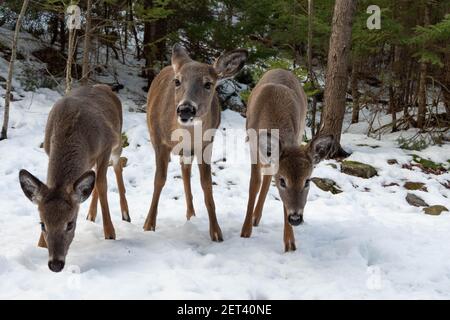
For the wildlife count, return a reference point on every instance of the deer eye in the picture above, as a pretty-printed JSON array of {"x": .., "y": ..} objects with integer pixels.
[
  {"x": 282, "y": 183},
  {"x": 177, "y": 82},
  {"x": 42, "y": 227},
  {"x": 208, "y": 85},
  {"x": 70, "y": 226}
]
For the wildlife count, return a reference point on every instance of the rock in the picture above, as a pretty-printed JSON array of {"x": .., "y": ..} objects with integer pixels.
[
  {"x": 416, "y": 201},
  {"x": 413, "y": 186},
  {"x": 358, "y": 169},
  {"x": 327, "y": 185},
  {"x": 368, "y": 145},
  {"x": 435, "y": 210},
  {"x": 392, "y": 161},
  {"x": 228, "y": 92},
  {"x": 332, "y": 165},
  {"x": 393, "y": 184}
]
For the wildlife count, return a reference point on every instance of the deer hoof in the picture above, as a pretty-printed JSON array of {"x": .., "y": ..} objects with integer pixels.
[
  {"x": 126, "y": 217},
  {"x": 246, "y": 233},
  {"x": 110, "y": 235},
  {"x": 290, "y": 246},
  {"x": 216, "y": 236},
  {"x": 190, "y": 215},
  {"x": 149, "y": 228}
]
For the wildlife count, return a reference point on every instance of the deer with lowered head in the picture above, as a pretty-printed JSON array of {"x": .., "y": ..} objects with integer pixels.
[
  {"x": 183, "y": 97},
  {"x": 278, "y": 102},
  {"x": 83, "y": 131}
]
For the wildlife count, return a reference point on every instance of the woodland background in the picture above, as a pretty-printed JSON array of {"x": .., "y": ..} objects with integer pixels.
[{"x": 403, "y": 69}]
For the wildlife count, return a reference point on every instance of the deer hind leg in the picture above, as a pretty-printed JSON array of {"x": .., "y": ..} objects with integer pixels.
[
  {"x": 261, "y": 200},
  {"x": 92, "y": 214},
  {"x": 102, "y": 189},
  {"x": 162, "y": 161},
  {"x": 42, "y": 243},
  {"x": 289, "y": 239},
  {"x": 186, "y": 172},
  {"x": 118, "y": 170},
  {"x": 255, "y": 185}
]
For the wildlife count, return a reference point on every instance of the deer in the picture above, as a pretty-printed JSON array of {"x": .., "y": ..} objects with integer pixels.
[
  {"x": 83, "y": 131},
  {"x": 183, "y": 97},
  {"x": 278, "y": 102}
]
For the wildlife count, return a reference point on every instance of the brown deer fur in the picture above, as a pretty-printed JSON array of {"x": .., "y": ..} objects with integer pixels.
[
  {"x": 83, "y": 131},
  {"x": 183, "y": 96},
  {"x": 279, "y": 102}
]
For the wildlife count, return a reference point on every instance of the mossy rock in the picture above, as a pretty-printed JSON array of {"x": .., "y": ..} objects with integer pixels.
[
  {"x": 327, "y": 185},
  {"x": 358, "y": 169},
  {"x": 427, "y": 164},
  {"x": 125, "y": 142},
  {"x": 414, "y": 186},
  {"x": 435, "y": 210},
  {"x": 332, "y": 165},
  {"x": 415, "y": 201}
]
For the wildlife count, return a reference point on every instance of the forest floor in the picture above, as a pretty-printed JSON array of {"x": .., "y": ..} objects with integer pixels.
[{"x": 366, "y": 242}]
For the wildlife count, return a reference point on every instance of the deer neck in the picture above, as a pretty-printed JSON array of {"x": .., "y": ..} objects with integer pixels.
[{"x": 66, "y": 165}]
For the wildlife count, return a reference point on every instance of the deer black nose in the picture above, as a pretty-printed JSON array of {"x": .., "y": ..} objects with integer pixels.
[
  {"x": 295, "y": 219},
  {"x": 186, "y": 112},
  {"x": 56, "y": 265}
]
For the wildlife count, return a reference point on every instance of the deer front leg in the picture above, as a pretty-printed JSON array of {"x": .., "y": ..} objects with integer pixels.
[
  {"x": 289, "y": 239},
  {"x": 162, "y": 161},
  {"x": 186, "y": 172},
  {"x": 261, "y": 200},
  {"x": 255, "y": 184},
  {"x": 206, "y": 181},
  {"x": 102, "y": 188}
]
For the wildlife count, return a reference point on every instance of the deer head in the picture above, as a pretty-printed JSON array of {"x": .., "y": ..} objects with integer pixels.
[
  {"x": 295, "y": 166},
  {"x": 195, "y": 82},
  {"x": 58, "y": 211}
]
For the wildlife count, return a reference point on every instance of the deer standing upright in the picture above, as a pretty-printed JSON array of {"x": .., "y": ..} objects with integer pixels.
[{"x": 183, "y": 96}]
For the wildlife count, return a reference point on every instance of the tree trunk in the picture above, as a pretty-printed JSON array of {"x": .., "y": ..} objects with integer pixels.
[
  {"x": 4, "y": 133},
  {"x": 86, "y": 70},
  {"x": 154, "y": 43},
  {"x": 446, "y": 84},
  {"x": 422, "y": 99},
  {"x": 355, "y": 92},
  {"x": 337, "y": 73},
  {"x": 133, "y": 29},
  {"x": 310, "y": 67},
  {"x": 62, "y": 33},
  {"x": 70, "y": 52},
  {"x": 422, "y": 96}
]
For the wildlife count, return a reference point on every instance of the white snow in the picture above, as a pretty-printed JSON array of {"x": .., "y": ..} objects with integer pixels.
[{"x": 357, "y": 244}]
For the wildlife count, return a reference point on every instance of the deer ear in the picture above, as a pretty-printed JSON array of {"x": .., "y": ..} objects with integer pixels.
[
  {"x": 32, "y": 187},
  {"x": 269, "y": 147},
  {"x": 179, "y": 57},
  {"x": 83, "y": 186},
  {"x": 320, "y": 147},
  {"x": 230, "y": 63}
]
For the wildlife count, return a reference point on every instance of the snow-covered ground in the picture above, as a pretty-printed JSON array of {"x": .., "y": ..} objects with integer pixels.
[
  {"x": 356, "y": 244},
  {"x": 366, "y": 242}
]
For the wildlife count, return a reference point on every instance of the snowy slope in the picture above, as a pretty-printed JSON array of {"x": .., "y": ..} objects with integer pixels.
[{"x": 354, "y": 245}]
